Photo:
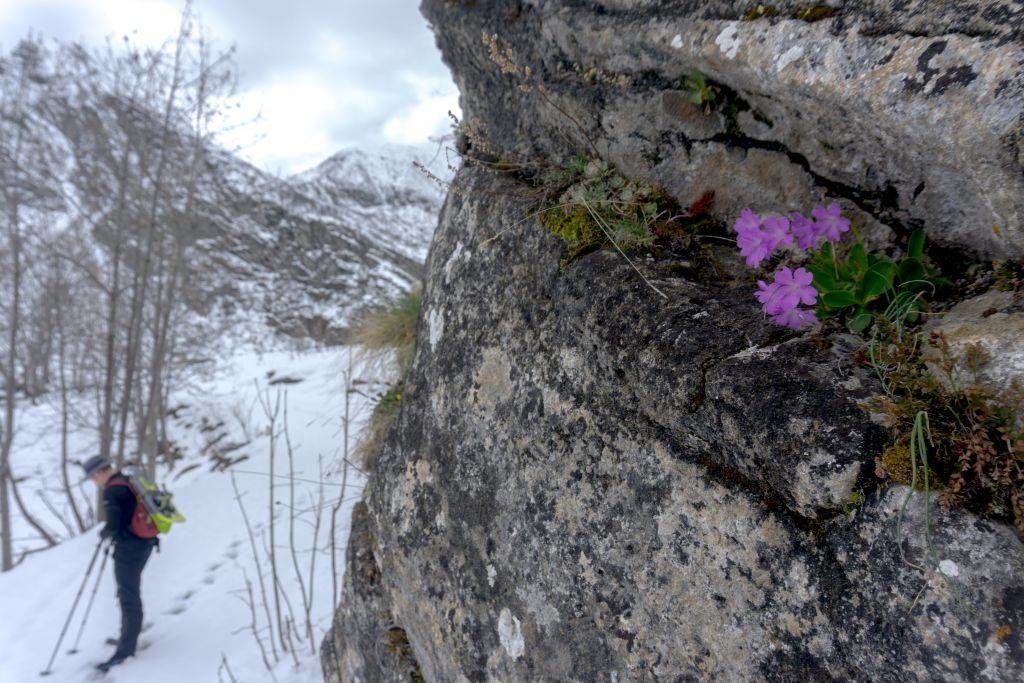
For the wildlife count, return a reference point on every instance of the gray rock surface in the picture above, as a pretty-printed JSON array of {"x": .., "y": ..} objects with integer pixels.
[
  {"x": 948, "y": 610},
  {"x": 992, "y": 322},
  {"x": 356, "y": 647},
  {"x": 589, "y": 482},
  {"x": 910, "y": 112},
  {"x": 586, "y": 482}
]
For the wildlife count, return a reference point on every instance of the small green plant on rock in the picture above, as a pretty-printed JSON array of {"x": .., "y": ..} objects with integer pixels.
[
  {"x": 601, "y": 205},
  {"x": 815, "y": 13},
  {"x": 759, "y": 11},
  {"x": 1008, "y": 276},
  {"x": 853, "y": 503},
  {"x": 951, "y": 432},
  {"x": 381, "y": 419},
  {"x": 700, "y": 92},
  {"x": 849, "y": 285},
  {"x": 591, "y": 205}
]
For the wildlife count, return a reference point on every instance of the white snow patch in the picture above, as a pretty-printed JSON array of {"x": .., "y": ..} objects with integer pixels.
[
  {"x": 727, "y": 41},
  {"x": 677, "y": 42},
  {"x": 788, "y": 57},
  {"x": 510, "y": 634},
  {"x": 699, "y": 315},
  {"x": 492, "y": 574},
  {"x": 435, "y": 323},
  {"x": 949, "y": 568}
]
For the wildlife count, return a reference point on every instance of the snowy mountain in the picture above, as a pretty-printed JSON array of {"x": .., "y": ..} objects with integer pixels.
[
  {"x": 385, "y": 176},
  {"x": 301, "y": 254},
  {"x": 309, "y": 251}
]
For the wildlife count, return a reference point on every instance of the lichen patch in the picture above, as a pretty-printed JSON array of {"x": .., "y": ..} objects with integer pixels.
[
  {"x": 727, "y": 41},
  {"x": 510, "y": 634}
]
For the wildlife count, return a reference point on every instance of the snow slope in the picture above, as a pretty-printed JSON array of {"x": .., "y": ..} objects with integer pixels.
[
  {"x": 193, "y": 589},
  {"x": 312, "y": 250}
]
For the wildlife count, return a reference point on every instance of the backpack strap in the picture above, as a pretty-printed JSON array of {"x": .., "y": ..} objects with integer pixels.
[
  {"x": 117, "y": 480},
  {"x": 141, "y": 522}
]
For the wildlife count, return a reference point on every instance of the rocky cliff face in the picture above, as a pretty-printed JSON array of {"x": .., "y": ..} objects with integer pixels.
[{"x": 589, "y": 482}]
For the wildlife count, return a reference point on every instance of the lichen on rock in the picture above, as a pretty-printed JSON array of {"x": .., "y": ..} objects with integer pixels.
[{"x": 586, "y": 481}]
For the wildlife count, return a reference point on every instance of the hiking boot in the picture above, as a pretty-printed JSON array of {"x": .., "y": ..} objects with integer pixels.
[{"x": 112, "y": 662}]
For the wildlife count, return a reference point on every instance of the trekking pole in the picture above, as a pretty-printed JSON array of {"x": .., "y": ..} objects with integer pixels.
[
  {"x": 92, "y": 598},
  {"x": 47, "y": 671}
]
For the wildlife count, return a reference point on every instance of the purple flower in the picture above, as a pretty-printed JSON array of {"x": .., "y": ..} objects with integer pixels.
[
  {"x": 758, "y": 237},
  {"x": 754, "y": 244},
  {"x": 777, "y": 230},
  {"x": 747, "y": 221},
  {"x": 829, "y": 222},
  {"x": 795, "y": 318},
  {"x": 807, "y": 236},
  {"x": 790, "y": 289}
]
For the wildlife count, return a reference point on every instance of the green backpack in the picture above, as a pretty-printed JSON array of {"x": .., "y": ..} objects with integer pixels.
[{"x": 157, "y": 501}]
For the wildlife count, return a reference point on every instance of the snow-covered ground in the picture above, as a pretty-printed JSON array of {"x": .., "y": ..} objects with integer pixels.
[{"x": 194, "y": 589}]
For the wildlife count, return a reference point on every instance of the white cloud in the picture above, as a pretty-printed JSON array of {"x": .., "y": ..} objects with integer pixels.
[
  {"x": 315, "y": 76},
  {"x": 423, "y": 120},
  {"x": 283, "y": 125},
  {"x": 149, "y": 22}
]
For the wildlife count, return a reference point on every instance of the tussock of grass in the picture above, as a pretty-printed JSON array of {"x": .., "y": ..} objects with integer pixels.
[
  {"x": 391, "y": 328},
  {"x": 387, "y": 330}
]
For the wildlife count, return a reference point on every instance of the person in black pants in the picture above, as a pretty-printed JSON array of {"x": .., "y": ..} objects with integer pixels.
[{"x": 130, "y": 553}]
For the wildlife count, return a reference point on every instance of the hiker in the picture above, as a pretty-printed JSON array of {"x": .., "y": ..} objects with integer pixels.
[{"x": 130, "y": 552}]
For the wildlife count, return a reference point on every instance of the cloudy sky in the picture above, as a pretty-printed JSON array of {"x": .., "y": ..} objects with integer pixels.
[{"x": 315, "y": 75}]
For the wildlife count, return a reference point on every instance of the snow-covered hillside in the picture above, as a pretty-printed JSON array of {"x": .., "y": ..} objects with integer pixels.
[
  {"x": 311, "y": 250},
  {"x": 145, "y": 269},
  {"x": 301, "y": 254},
  {"x": 194, "y": 590}
]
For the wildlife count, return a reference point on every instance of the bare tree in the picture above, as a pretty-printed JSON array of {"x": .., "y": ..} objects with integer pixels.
[
  {"x": 65, "y": 410},
  {"x": 142, "y": 275},
  {"x": 271, "y": 413},
  {"x": 259, "y": 565},
  {"x": 348, "y": 377},
  {"x": 291, "y": 518},
  {"x": 14, "y": 194}
]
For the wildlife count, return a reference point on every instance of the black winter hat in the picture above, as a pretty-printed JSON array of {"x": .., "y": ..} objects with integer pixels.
[{"x": 94, "y": 465}]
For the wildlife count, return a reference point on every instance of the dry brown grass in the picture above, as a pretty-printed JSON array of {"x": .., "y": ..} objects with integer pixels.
[
  {"x": 390, "y": 329},
  {"x": 385, "y": 334}
]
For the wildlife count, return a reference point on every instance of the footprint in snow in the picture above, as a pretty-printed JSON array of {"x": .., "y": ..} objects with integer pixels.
[{"x": 182, "y": 604}]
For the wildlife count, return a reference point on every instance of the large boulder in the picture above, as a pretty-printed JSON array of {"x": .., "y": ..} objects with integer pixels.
[
  {"x": 588, "y": 482},
  {"x": 588, "y": 479},
  {"x": 911, "y": 113}
]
